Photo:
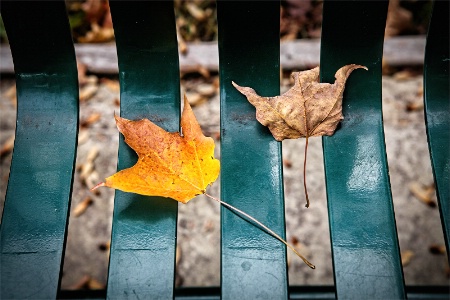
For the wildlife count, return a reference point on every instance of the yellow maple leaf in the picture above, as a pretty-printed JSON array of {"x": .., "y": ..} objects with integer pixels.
[
  {"x": 169, "y": 164},
  {"x": 173, "y": 165}
]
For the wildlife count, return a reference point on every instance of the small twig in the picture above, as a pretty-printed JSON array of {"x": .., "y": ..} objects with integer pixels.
[{"x": 264, "y": 227}]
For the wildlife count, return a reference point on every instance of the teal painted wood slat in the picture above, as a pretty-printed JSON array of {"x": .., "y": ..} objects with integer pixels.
[
  {"x": 253, "y": 262},
  {"x": 40, "y": 184},
  {"x": 437, "y": 107},
  {"x": 363, "y": 233},
  {"x": 142, "y": 262}
]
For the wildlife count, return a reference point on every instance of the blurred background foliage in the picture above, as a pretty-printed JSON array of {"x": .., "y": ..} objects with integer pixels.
[{"x": 91, "y": 21}]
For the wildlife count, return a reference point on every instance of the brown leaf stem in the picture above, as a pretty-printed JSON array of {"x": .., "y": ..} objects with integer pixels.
[
  {"x": 264, "y": 227},
  {"x": 304, "y": 174},
  {"x": 98, "y": 185}
]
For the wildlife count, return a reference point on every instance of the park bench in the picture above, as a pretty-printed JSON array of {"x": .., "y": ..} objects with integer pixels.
[{"x": 365, "y": 249}]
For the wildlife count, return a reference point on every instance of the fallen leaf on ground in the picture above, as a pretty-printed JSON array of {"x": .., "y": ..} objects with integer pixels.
[
  {"x": 404, "y": 75},
  {"x": 309, "y": 108},
  {"x": 87, "y": 283},
  {"x": 11, "y": 94},
  {"x": 111, "y": 84},
  {"x": 87, "y": 168},
  {"x": 82, "y": 206},
  {"x": 206, "y": 89},
  {"x": 196, "y": 12},
  {"x": 83, "y": 136},
  {"x": 419, "y": 91},
  {"x": 287, "y": 163},
  {"x": 437, "y": 249},
  {"x": 195, "y": 99},
  {"x": 7, "y": 146},
  {"x": 92, "y": 154},
  {"x": 398, "y": 19},
  {"x": 414, "y": 106},
  {"x": 105, "y": 247},
  {"x": 97, "y": 34},
  {"x": 88, "y": 91},
  {"x": 406, "y": 255},
  {"x": 203, "y": 71},
  {"x": 182, "y": 46},
  {"x": 91, "y": 119},
  {"x": 423, "y": 193},
  {"x": 95, "y": 10},
  {"x": 83, "y": 78},
  {"x": 82, "y": 70}
]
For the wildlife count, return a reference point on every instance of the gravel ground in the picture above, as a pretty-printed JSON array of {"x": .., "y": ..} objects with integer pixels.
[{"x": 418, "y": 224}]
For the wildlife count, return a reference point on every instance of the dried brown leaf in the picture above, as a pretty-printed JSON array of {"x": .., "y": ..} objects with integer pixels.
[
  {"x": 92, "y": 154},
  {"x": 98, "y": 34},
  {"x": 437, "y": 249},
  {"x": 196, "y": 12},
  {"x": 398, "y": 20},
  {"x": 111, "y": 84},
  {"x": 205, "y": 89},
  {"x": 91, "y": 119},
  {"x": 94, "y": 284},
  {"x": 414, "y": 106},
  {"x": 195, "y": 99},
  {"x": 82, "y": 69},
  {"x": 309, "y": 108},
  {"x": 82, "y": 206},
  {"x": 105, "y": 246},
  {"x": 87, "y": 283},
  {"x": 182, "y": 46},
  {"x": 80, "y": 284},
  {"x": 86, "y": 169},
  {"x": 7, "y": 146},
  {"x": 406, "y": 255},
  {"x": 203, "y": 71},
  {"x": 287, "y": 163},
  {"x": 88, "y": 91},
  {"x": 423, "y": 193},
  {"x": 83, "y": 136},
  {"x": 11, "y": 94}
]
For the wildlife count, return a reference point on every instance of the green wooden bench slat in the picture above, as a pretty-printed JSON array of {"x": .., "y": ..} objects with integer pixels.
[
  {"x": 142, "y": 263},
  {"x": 363, "y": 233},
  {"x": 253, "y": 262},
  {"x": 437, "y": 107},
  {"x": 40, "y": 183}
]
